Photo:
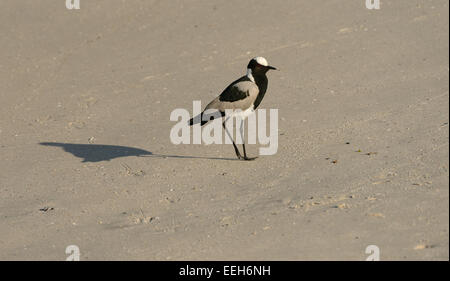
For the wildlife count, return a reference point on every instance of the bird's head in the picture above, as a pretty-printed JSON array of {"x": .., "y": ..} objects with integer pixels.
[{"x": 259, "y": 65}]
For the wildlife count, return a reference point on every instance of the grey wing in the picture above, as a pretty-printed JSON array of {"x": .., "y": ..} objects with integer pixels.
[
  {"x": 239, "y": 95},
  {"x": 235, "y": 91}
]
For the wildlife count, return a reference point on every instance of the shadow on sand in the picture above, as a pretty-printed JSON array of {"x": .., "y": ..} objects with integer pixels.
[{"x": 102, "y": 152}]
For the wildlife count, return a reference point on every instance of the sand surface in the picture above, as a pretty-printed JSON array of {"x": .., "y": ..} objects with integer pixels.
[{"x": 86, "y": 158}]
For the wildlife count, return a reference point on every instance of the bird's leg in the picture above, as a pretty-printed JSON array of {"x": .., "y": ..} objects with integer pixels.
[
  {"x": 243, "y": 142},
  {"x": 236, "y": 150}
]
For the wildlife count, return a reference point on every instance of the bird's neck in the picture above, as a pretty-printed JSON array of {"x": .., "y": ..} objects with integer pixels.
[{"x": 260, "y": 79}]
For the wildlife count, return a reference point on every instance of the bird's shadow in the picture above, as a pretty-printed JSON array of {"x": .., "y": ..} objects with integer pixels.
[{"x": 102, "y": 152}]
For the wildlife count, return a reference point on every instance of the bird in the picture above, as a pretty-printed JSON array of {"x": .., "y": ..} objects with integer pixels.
[{"x": 244, "y": 94}]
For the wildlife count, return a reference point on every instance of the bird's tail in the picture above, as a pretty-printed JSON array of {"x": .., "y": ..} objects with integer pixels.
[{"x": 199, "y": 118}]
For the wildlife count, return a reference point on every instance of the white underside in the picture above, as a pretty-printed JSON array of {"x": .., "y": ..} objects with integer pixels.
[{"x": 243, "y": 114}]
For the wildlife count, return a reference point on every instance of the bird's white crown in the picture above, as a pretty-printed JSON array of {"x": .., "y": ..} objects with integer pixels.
[{"x": 262, "y": 61}]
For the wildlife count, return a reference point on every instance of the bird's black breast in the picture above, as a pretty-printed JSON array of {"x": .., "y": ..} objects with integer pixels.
[{"x": 261, "y": 81}]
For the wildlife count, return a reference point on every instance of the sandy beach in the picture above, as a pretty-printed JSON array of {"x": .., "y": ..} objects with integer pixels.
[{"x": 363, "y": 130}]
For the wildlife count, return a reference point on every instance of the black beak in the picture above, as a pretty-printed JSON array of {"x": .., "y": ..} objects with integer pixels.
[{"x": 271, "y": 67}]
